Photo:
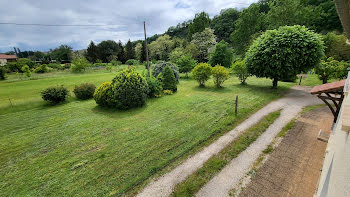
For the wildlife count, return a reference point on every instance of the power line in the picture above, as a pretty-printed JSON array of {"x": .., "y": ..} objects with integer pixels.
[{"x": 57, "y": 25}]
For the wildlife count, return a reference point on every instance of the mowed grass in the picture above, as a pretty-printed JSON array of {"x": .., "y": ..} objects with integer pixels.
[{"x": 77, "y": 148}]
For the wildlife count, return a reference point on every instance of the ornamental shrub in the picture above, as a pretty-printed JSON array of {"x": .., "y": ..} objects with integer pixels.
[
  {"x": 155, "y": 87},
  {"x": 79, "y": 65},
  {"x": 103, "y": 94},
  {"x": 186, "y": 63},
  {"x": 240, "y": 70},
  {"x": 159, "y": 67},
  {"x": 2, "y": 73},
  {"x": 283, "y": 52},
  {"x": 55, "y": 66},
  {"x": 169, "y": 80},
  {"x": 220, "y": 75},
  {"x": 26, "y": 70},
  {"x": 55, "y": 94},
  {"x": 84, "y": 91},
  {"x": 168, "y": 92},
  {"x": 129, "y": 89},
  {"x": 202, "y": 73},
  {"x": 132, "y": 62},
  {"x": 41, "y": 69},
  {"x": 221, "y": 55}
]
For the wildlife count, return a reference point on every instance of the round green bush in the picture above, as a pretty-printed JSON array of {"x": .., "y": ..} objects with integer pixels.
[
  {"x": 41, "y": 69},
  {"x": 103, "y": 94},
  {"x": 220, "y": 75},
  {"x": 84, "y": 91},
  {"x": 129, "y": 89},
  {"x": 202, "y": 73},
  {"x": 55, "y": 94},
  {"x": 155, "y": 87},
  {"x": 159, "y": 67}
]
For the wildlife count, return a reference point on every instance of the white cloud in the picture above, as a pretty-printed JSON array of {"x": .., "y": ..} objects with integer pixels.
[{"x": 125, "y": 16}]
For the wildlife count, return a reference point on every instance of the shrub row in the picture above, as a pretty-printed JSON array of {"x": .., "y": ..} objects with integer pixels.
[{"x": 203, "y": 71}]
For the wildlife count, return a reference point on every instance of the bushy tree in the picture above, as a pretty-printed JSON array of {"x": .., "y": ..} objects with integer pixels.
[
  {"x": 80, "y": 65},
  {"x": 169, "y": 81},
  {"x": 202, "y": 73},
  {"x": 41, "y": 69},
  {"x": 192, "y": 50},
  {"x": 120, "y": 53},
  {"x": 199, "y": 23},
  {"x": 331, "y": 69},
  {"x": 205, "y": 41},
  {"x": 155, "y": 87},
  {"x": 2, "y": 73},
  {"x": 220, "y": 75},
  {"x": 270, "y": 56},
  {"x": 176, "y": 54},
  {"x": 186, "y": 63},
  {"x": 224, "y": 24},
  {"x": 161, "y": 48},
  {"x": 26, "y": 70},
  {"x": 129, "y": 51},
  {"x": 159, "y": 68},
  {"x": 336, "y": 46},
  {"x": 62, "y": 53},
  {"x": 92, "y": 52},
  {"x": 107, "y": 50},
  {"x": 240, "y": 70},
  {"x": 55, "y": 95},
  {"x": 221, "y": 55}
]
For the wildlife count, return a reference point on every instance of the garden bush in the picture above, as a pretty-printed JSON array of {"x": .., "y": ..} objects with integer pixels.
[
  {"x": 80, "y": 65},
  {"x": 55, "y": 66},
  {"x": 220, "y": 75},
  {"x": 169, "y": 81},
  {"x": 155, "y": 87},
  {"x": 132, "y": 62},
  {"x": 103, "y": 94},
  {"x": 84, "y": 91},
  {"x": 240, "y": 70},
  {"x": 202, "y": 73},
  {"x": 222, "y": 55},
  {"x": 109, "y": 68},
  {"x": 116, "y": 63},
  {"x": 55, "y": 94},
  {"x": 41, "y": 69},
  {"x": 26, "y": 70},
  {"x": 186, "y": 63},
  {"x": 129, "y": 89},
  {"x": 168, "y": 92},
  {"x": 2, "y": 73},
  {"x": 159, "y": 67}
]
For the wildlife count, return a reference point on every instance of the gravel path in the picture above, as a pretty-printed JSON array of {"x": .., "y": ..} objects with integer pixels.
[{"x": 292, "y": 103}]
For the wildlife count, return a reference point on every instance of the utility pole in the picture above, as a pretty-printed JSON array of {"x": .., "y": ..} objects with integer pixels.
[{"x": 144, "y": 27}]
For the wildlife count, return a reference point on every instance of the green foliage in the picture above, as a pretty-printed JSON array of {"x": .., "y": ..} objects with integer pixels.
[
  {"x": 202, "y": 73},
  {"x": 103, "y": 95},
  {"x": 270, "y": 56},
  {"x": 169, "y": 81},
  {"x": 250, "y": 23},
  {"x": 224, "y": 24},
  {"x": 168, "y": 92},
  {"x": 26, "y": 70},
  {"x": 240, "y": 70},
  {"x": 129, "y": 89},
  {"x": 92, "y": 52},
  {"x": 108, "y": 50},
  {"x": 155, "y": 87},
  {"x": 161, "y": 48},
  {"x": 176, "y": 54},
  {"x": 159, "y": 68},
  {"x": 17, "y": 66},
  {"x": 41, "y": 69},
  {"x": 55, "y": 94},
  {"x": 84, "y": 91},
  {"x": 199, "y": 23},
  {"x": 2, "y": 73},
  {"x": 109, "y": 68},
  {"x": 331, "y": 69},
  {"x": 205, "y": 42},
  {"x": 62, "y": 53},
  {"x": 336, "y": 46},
  {"x": 132, "y": 62},
  {"x": 55, "y": 66},
  {"x": 221, "y": 55},
  {"x": 192, "y": 49},
  {"x": 186, "y": 63},
  {"x": 129, "y": 51},
  {"x": 80, "y": 65},
  {"x": 220, "y": 75}
]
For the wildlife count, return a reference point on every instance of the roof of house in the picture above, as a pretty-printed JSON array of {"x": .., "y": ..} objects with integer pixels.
[
  {"x": 4, "y": 56},
  {"x": 328, "y": 87}
]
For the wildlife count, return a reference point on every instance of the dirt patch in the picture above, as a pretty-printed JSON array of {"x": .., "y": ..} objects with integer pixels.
[{"x": 293, "y": 169}]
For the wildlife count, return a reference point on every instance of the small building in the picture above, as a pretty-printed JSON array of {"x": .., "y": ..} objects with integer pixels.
[{"x": 7, "y": 58}]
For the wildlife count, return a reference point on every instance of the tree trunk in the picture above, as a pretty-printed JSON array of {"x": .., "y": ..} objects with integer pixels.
[
  {"x": 324, "y": 80},
  {"x": 274, "y": 83},
  {"x": 343, "y": 9}
]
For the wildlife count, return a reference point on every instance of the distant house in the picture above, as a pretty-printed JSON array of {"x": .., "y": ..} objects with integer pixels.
[{"x": 7, "y": 58}]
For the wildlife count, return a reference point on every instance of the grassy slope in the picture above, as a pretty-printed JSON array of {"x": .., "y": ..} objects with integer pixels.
[
  {"x": 197, "y": 180},
  {"x": 79, "y": 149}
]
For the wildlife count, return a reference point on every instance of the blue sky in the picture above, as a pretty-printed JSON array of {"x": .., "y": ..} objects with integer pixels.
[{"x": 123, "y": 20}]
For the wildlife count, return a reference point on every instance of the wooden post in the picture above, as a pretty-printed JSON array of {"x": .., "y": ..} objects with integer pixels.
[
  {"x": 236, "y": 105},
  {"x": 144, "y": 27},
  {"x": 301, "y": 77}
]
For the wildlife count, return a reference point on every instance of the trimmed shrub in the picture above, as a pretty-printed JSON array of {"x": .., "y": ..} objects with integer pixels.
[
  {"x": 79, "y": 65},
  {"x": 84, "y": 91},
  {"x": 26, "y": 70},
  {"x": 2, "y": 73},
  {"x": 132, "y": 62},
  {"x": 41, "y": 69},
  {"x": 129, "y": 89},
  {"x": 220, "y": 75},
  {"x": 186, "y": 63},
  {"x": 55, "y": 94},
  {"x": 240, "y": 70},
  {"x": 202, "y": 73},
  {"x": 169, "y": 80},
  {"x": 155, "y": 87},
  {"x": 103, "y": 94},
  {"x": 159, "y": 67}
]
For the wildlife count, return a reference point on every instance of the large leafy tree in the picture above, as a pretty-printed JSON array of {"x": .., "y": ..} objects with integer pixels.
[
  {"x": 222, "y": 55},
  {"x": 129, "y": 51},
  {"x": 224, "y": 24},
  {"x": 62, "y": 53},
  {"x": 107, "y": 50},
  {"x": 205, "y": 41},
  {"x": 120, "y": 53},
  {"x": 161, "y": 48},
  {"x": 92, "y": 52},
  {"x": 250, "y": 23},
  {"x": 279, "y": 53},
  {"x": 186, "y": 63},
  {"x": 199, "y": 23},
  {"x": 336, "y": 46}
]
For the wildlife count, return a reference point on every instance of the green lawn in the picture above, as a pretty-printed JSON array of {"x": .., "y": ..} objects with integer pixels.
[{"x": 77, "y": 148}]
